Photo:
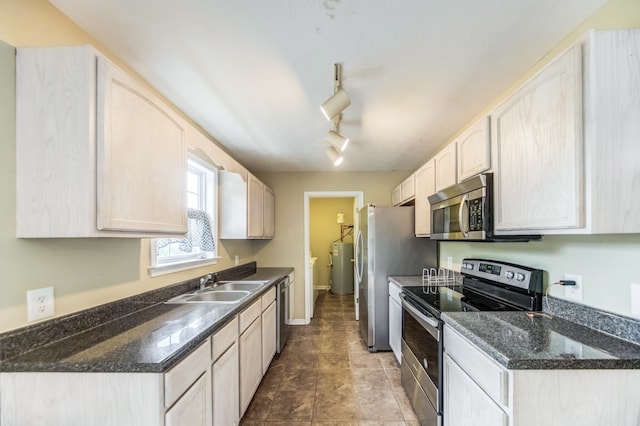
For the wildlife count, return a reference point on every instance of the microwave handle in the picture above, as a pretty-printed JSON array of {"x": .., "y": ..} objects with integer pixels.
[{"x": 464, "y": 206}]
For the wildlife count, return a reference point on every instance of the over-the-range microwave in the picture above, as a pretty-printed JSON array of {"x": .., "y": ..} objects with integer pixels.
[{"x": 464, "y": 211}]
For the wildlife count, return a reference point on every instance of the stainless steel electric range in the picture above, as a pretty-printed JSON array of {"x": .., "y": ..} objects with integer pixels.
[{"x": 486, "y": 285}]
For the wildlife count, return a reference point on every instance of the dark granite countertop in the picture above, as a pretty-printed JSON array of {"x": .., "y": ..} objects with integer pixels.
[
  {"x": 520, "y": 342},
  {"x": 151, "y": 339}
]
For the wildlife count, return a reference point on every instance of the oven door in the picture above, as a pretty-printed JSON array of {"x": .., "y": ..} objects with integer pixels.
[{"x": 421, "y": 358}]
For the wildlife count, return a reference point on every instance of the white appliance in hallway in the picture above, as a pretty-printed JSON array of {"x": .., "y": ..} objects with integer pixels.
[{"x": 386, "y": 245}]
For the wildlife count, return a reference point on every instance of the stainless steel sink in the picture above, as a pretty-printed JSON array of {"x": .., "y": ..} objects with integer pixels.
[
  {"x": 217, "y": 296},
  {"x": 238, "y": 285}
]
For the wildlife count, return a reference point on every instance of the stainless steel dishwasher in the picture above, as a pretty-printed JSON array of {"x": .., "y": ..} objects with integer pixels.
[{"x": 282, "y": 311}]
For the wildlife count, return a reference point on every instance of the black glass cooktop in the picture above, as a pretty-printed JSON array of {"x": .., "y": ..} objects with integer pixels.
[{"x": 437, "y": 299}]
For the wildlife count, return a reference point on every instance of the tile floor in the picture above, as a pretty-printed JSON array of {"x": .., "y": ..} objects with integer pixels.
[{"x": 325, "y": 375}]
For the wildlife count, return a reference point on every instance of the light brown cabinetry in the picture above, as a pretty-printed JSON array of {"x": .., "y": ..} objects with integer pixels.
[
  {"x": 268, "y": 328},
  {"x": 474, "y": 150},
  {"x": 446, "y": 163},
  {"x": 97, "y": 155},
  {"x": 225, "y": 375},
  {"x": 480, "y": 392},
  {"x": 247, "y": 207},
  {"x": 425, "y": 178},
  {"x": 565, "y": 142},
  {"x": 250, "y": 350}
]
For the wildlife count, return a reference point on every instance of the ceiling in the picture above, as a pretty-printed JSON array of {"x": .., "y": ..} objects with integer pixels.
[{"x": 252, "y": 73}]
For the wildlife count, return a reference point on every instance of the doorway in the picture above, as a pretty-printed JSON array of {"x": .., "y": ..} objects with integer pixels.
[{"x": 354, "y": 199}]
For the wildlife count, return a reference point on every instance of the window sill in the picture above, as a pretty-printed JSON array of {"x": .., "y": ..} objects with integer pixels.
[{"x": 155, "y": 271}]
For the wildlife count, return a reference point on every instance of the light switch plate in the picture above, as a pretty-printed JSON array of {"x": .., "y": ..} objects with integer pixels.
[{"x": 635, "y": 299}]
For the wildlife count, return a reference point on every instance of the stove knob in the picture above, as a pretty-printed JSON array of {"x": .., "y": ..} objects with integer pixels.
[
  {"x": 509, "y": 274},
  {"x": 519, "y": 277}
]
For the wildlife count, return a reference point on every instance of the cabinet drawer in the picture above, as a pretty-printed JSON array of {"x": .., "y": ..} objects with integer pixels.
[
  {"x": 491, "y": 377},
  {"x": 184, "y": 374},
  {"x": 224, "y": 338},
  {"x": 268, "y": 297},
  {"x": 249, "y": 315}
]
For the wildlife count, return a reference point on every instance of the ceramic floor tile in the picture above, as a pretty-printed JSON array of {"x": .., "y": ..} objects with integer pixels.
[
  {"x": 326, "y": 376},
  {"x": 378, "y": 406},
  {"x": 292, "y": 406}
]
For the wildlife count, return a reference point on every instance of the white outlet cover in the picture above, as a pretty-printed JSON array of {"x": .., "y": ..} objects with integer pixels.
[
  {"x": 573, "y": 292},
  {"x": 635, "y": 299},
  {"x": 40, "y": 304}
]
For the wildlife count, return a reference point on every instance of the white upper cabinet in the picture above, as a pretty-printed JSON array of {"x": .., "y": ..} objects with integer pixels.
[
  {"x": 97, "y": 155},
  {"x": 246, "y": 207},
  {"x": 404, "y": 193},
  {"x": 446, "y": 162},
  {"x": 474, "y": 153},
  {"x": 538, "y": 136},
  {"x": 567, "y": 142},
  {"x": 425, "y": 178}
]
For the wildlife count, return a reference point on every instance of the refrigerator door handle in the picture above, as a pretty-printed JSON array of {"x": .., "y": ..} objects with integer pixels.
[{"x": 359, "y": 257}]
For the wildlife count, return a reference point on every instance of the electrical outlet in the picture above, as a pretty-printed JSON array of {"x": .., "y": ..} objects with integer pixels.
[
  {"x": 40, "y": 303},
  {"x": 635, "y": 299},
  {"x": 449, "y": 262},
  {"x": 573, "y": 292}
]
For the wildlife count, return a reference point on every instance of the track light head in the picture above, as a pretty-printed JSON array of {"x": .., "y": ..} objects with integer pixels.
[
  {"x": 338, "y": 141},
  {"x": 334, "y": 156},
  {"x": 337, "y": 103}
]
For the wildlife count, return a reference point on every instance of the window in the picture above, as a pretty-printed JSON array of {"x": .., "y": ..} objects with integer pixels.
[{"x": 200, "y": 245}]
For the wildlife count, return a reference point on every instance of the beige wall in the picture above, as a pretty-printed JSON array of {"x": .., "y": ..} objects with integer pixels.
[
  {"x": 324, "y": 230},
  {"x": 287, "y": 248},
  {"x": 83, "y": 272}
]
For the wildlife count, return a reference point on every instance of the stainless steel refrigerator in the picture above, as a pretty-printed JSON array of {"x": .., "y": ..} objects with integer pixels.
[{"x": 386, "y": 245}]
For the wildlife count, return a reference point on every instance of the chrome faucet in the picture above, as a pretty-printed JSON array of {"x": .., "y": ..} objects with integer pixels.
[{"x": 212, "y": 278}]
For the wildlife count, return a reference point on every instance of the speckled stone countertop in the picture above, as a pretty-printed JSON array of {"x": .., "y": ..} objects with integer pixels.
[
  {"x": 151, "y": 339},
  {"x": 520, "y": 342}
]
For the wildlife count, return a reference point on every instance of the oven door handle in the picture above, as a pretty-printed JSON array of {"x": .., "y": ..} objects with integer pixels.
[{"x": 430, "y": 323}]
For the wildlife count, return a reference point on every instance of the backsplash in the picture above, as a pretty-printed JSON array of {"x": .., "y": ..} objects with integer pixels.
[{"x": 43, "y": 333}]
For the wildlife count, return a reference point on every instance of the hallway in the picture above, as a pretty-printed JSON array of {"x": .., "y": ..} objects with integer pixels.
[{"x": 325, "y": 375}]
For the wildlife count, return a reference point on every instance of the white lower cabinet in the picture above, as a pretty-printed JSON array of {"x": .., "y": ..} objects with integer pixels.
[
  {"x": 225, "y": 375},
  {"x": 480, "y": 392},
  {"x": 194, "y": 407},
  {"x": 250, "y": 347},
  {"x": 269, "y": 344},
  {"x": 395, "y": 320}
]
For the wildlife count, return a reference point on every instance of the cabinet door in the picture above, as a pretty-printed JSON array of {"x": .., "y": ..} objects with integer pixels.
[
  {"x": 446, "y": 164},
  {"x": 194, "y": 407},
  {"x": 474, "y": 155},
  {"x": 269, "y": 213},
  {"x": 268, "y": 336},
  {"x": 395, "y": 327},
  {"x": 465, "y": 403},
  {"x": 141, "y": 158},
  {"x": 396, "y": 195},
  {"x": 425, "y": 178},
  {"x": 408, "y": 188},
  {"x": 250, "y": 363},
  {"x": 538, "y": 137},
  {"x": 226, "y": 388},
  {"x": 255, "y": 206}
]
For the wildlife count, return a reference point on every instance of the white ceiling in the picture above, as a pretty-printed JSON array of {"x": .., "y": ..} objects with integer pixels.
[{"x": 253, "y": 73}]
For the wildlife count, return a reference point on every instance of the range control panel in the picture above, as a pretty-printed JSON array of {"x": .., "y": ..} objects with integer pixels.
[{"x": 519, "y": 276}]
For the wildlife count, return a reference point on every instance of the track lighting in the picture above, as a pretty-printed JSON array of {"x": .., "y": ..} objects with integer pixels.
[
  {"x": 337, "y": 140},
  {"x": 332, "y": 107},
  {"x": 334, "y": 156}
]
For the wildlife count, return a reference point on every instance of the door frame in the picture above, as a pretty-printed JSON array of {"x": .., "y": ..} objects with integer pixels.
[{"x": 358, "y": 197}]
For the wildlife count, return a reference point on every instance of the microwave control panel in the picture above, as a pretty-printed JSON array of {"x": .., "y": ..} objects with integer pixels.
[{"x": 476, "y": 219}]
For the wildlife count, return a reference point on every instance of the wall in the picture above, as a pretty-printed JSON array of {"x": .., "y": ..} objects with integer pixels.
[
  {"x": 324, "y": 229},
  {"x": 83, "y": 272},
  {"x": 606, "y": 262},
  {"x": 287, "y": 248}
]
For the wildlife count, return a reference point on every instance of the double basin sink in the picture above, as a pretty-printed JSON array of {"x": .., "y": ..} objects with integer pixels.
[{"x": 227, "y": 292}]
